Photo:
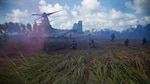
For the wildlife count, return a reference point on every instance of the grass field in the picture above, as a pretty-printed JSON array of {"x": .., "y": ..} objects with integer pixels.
[{"x": 109, "y": 63}]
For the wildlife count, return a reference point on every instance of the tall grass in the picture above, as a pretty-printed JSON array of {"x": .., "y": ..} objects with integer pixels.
[{"x": 78, "y": 67}]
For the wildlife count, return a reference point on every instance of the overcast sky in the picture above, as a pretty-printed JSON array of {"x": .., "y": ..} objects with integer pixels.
[{"x": 99, "y": 14}]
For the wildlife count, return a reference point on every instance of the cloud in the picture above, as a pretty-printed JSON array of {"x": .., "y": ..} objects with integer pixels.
[
  {"x": 88, "y": 7},
  {"x": 121, "y": 20},
  {"x": 17, "y": 2},
  {"x": 58, "y": 18},
  {"x": 16, "y": 16},
  {"x": 144, "y": 20},
  {"x": 20, "y": 2},
  {"x": 46, "y": 7},
  {"x": 140, "y": 6},
  {"x": 74, "y": 13},
  {"x": 93, "y": 15}
]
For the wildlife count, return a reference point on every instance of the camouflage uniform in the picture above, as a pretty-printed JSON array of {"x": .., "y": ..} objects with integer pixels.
[
  {"x": 73, "y": 45},
  {"x": 144, "y": 41},
  {"x": 92, "y": 44},
  {"x": 126, "y": 42}
]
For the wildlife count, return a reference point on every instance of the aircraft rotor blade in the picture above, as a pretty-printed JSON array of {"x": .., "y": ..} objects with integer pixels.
[
  {"x": 53, "y": 12},
  {"x": 37, "y": 14},
  {"x": 38, "y": 18}
]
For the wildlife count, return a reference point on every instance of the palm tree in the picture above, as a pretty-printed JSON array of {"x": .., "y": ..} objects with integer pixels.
[{"x": 29, "y": 27}]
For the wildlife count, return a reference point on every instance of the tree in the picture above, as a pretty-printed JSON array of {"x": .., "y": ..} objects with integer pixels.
[
  {"x": 23, "y": 28},
  {"x": 10, "y": 27},
  {"x": 35, "y": 26},
  {"x": 29, "y": 27},
  {"x": 3, "y": 35},
  {"x": 17, "y": 26}
]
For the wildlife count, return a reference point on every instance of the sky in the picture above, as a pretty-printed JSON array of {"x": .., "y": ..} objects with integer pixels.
[{"x": 116, "y": 15}]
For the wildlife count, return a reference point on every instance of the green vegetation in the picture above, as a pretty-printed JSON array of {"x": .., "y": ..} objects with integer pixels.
[
  {"x": 119, "y": 66},
  {"x": 3, "y": 35}
]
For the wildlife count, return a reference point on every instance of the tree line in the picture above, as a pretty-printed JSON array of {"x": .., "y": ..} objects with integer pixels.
[
  {"x": 11, "y": 28},
  {"x": 132, "y": 33},
  {"x": 18, "y": 28}
]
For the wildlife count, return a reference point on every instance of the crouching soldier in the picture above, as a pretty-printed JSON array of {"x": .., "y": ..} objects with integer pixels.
[
  {"x": 92, "y": 44},
  {"x": 126, "y": 42},
  {"x": 144, "y": 41},
  {"x": 73, "y": 45}
]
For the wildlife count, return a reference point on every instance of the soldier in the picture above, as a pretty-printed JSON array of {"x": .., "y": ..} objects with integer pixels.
[
  {"x": 73, "y": 45},
  {"x": 112, "y": 37},
  {"x": 92, "y": 44},
  {"x": 144, "y": 41},
  {"x": 126, "y": 42},
  {"x": 70, "y": 35}
]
